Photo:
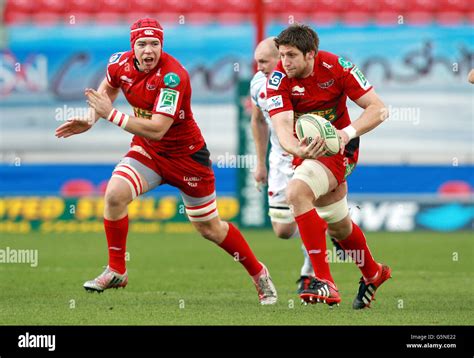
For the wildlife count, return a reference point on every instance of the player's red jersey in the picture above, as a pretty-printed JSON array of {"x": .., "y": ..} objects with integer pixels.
[
  {"x": 323, "y": 92},
  {"x": 165, "y": 90}
]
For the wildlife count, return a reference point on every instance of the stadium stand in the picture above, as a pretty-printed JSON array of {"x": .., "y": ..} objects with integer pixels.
[{"x": 353, "y": 12}]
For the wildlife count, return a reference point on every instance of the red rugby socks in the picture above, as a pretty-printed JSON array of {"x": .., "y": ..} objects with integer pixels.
[
  {"x": 235, "y": 245},
  {"x": 356, "y": 245},
  {"x": 116, "y": 232},
  {"x": 313, "y": 233}
]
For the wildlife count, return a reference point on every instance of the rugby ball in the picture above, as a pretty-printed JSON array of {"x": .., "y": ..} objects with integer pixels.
[{"x": 313, "y": 126}]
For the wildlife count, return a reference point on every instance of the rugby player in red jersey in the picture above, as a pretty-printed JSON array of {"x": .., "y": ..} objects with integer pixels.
[
  {"x": 307, "y": 80},
  {"x": 167, "y": 148}
]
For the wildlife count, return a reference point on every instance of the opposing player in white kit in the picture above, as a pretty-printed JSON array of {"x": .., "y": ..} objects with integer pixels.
[{"x": 281, "y": 166}]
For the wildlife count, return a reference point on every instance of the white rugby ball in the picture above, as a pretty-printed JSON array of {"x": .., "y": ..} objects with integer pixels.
[{"x": 313, "y": 126}]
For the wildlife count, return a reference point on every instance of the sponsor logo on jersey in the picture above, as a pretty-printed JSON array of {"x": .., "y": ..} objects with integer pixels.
[
  {"x": 327, "y": 65},
  {"x": 326, "y": 84},
  {"x": 274, "y": 102},
  {"x": 142, "y": 113},
  {"x": 344, "y": 63},
  {"x": 168, "y": 101},
  {"x": 171, "y": 80},
  {"x": 360, "y": 78},
  {"x": 275, "y": 80},
  {"x": 297, "y": 91},
  {"x": 328, "y": 114},
  {"x": 115, "y": 57}
]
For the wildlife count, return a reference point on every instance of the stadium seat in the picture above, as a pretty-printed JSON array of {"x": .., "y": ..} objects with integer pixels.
[
  {"x": 387, "y": 18},
  {"x": 398, "y": 6},
  {"x": 77, "y": 187},
  {"x": 450, "y": 18},
  {"x": 423, "y": 5},
  {"x": 80, "y": 18},
  {"x": 294, "y": 17},
  {"x": 321, "y": 18},
  {"x": 238, "y": 6},
  {"x": 419, "y": 18},
  {"x": 146, "y": 6},
  {"x": 199, "y": 18},
  {"x": 109, "y": 18},
  {"x": 301, "y": 6},
  {"x": 453, "y": 5},
  {"x": 84, "y": 6},
  {"x": 356, "y": 18},
  {"x": 232, "y": 18},
  {"x": 171, "y": 18},
  {"x": 47, "y": 18},
  {"x": 329, "y": 6},
  {"x": 51, "y": 6},
  {"x": 114, "y": 6},
  {"x": 26, "y": 6},
  {"x": 177, "y": 6},
  {"x": 131, "y": 17},
  {"x": 204, "y": 5},
  {"x": 360, "y": 6},
  {"x": 17, "y": 17}
]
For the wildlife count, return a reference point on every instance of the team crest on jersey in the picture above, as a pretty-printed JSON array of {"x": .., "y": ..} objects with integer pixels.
[
  {"x": 275, "y": 80},
  {"x": 171, "y": 80},
  {"x": 327, "y": 84},
  {"x": 344, "y": 63},
  {"x": 274, "y": 102},
  {"x": 115, "y": 57}
]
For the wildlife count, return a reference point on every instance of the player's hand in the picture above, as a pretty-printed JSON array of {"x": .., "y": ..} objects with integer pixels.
[
  {"x": 260, "y": 176},
  {"x": 99, "y": 101},
  {"x": 73, "y": 126},
  {"x": 343, "y": 140},
  {"x": 313, "y": 150}
]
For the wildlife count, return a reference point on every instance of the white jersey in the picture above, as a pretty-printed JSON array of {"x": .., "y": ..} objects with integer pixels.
[
  {"x": 281, "y": 167},
  {"x": 258, "y": 93}
]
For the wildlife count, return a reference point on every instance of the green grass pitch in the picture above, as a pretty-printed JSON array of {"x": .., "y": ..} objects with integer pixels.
[{"x": 182, "y": 279}]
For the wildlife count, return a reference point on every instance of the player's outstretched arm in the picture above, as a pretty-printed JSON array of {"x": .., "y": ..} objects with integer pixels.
[
  {"x": 154, "y": 128},
  {"x": 283, "y": 124},
  {"x": 77, "y": 125},
  {"x": 260, "y": 132}
]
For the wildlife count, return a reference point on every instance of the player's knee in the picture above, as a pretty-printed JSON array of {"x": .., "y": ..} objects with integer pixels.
[
  {"x": 116, "y": 197},
  {"x": 283, "y": 231},
  {"x": 211, "y": 230},
  {"x": 298, "y": 193}
]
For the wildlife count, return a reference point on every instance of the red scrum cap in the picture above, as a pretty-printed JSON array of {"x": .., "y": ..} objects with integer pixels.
[{"x": 145, "y": 28}]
